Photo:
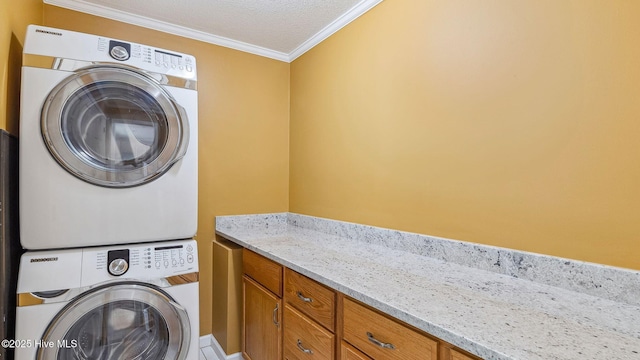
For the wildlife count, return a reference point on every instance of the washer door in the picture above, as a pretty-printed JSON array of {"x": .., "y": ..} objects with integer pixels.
[
  {"x": 114, "y": 126},
  {"x": 121, "y": 321}
]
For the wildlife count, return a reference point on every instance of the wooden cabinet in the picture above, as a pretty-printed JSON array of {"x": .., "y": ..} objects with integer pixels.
[
  {"x": 309, "y": 324},
  {"x": 383, "y": 338},
  {"x": 261, "y": 308},
  {"x": 262, "y": 332},
  {"x": 311, "y": 298},
  {"x": 264, "y": 271},
  {"x": 288, "y": 316},
  {"x": 348, "y": 352},
  {"x": 456, "y": 355},
  {"x": 304, "y": 338}
]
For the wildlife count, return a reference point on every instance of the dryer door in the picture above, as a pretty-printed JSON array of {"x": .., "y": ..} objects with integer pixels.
[
  {"x": 127, "y": 320},
  {"x": 113, "y": 126}
]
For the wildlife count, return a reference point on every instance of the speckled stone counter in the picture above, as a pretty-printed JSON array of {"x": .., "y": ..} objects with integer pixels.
[{"x": 493, "y": 302}]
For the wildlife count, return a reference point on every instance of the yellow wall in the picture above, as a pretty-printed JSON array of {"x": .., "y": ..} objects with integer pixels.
[
  {"x": 509, "y": 123},
  {"x": 243, "y": 131},
  {"x": 506, "y": 123},
  {"x": 14, "y": 18}
]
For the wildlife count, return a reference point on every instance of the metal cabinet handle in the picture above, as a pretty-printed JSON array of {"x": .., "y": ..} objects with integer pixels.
[
  {"x": 302, "y": 348},
  {"x": 380, "y": 343},
  {"x": 275, "y": 315},
  {"x": 303, "y": 298}
]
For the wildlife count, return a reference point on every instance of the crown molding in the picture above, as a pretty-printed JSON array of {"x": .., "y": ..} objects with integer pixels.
[
  {"x": 122, "y": 16},
  {"x": 344, "y": 20},
  {"x": 118, "y": 15}
]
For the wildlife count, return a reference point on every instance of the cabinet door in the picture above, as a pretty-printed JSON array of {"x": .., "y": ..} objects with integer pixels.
[
  {"x": 348, "y": 352},
  {"x": 262, "y": 318}
]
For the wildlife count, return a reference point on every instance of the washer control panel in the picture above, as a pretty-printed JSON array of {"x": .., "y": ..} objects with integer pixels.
[
  {"x": 171, "y": 256},
  {"x": 141, "y": 261}
]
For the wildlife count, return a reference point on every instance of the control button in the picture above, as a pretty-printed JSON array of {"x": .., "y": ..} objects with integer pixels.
[
  {"x": 119, "y": 50},
  {"x": 118, "y": 261},
  {"x": 118, "y": 267},
  {"x": 181, "y": 261},
  {"x": 189, "y": 68},
  {"x": 119, "y": 53},
  {"x": 174, "y": 262},
  {"x": 189, "y": 258},
  {"x": 166, "y": 263},
  {"x": 189, "y": 248},
  {"x": 158, "y": 264}
]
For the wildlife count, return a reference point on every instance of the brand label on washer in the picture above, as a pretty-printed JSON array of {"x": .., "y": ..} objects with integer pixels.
[{"x": 45, "y": 259}]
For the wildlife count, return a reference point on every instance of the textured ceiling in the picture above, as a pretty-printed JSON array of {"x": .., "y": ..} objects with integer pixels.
[{"x": 286, "y": 27}]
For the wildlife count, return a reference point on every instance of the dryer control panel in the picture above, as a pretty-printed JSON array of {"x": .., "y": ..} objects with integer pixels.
[
  {"x": 158, "y": 60},
  {"x": 66, "y": 44}
]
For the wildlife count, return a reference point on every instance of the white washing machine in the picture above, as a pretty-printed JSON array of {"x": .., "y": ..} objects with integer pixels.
[
  {"x": 108, "y": 142},
  {"x": 118, "y": 302}
]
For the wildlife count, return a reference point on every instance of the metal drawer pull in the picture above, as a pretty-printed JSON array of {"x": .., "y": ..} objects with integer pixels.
[
  {"x": 303, "y": 298},
  {"x": 275, "y": 315},
  {"x": 380, "y": 343},
  {"x": 306, "y": 351}
]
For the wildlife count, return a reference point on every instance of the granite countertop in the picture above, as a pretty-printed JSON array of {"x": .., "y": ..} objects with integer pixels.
[{"x": 421, "y": 281}]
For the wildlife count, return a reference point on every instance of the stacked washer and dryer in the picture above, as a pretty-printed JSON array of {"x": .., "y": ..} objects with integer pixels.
[{"x": 108, "y": 200}]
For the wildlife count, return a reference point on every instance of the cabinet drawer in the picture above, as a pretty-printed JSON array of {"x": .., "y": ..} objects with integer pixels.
[
  {"x": 348, "y": 352},
  {"x": 266, "y": 272},
  {"x": 304, "y": 339},
  {"x": 382, "y": 338},
  {"x": 455, "y": 355},
  {"x": 311, "y": 298}
]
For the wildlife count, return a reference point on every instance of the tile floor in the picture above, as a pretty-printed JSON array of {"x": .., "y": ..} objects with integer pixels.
[{"x": 206, "y": 353}]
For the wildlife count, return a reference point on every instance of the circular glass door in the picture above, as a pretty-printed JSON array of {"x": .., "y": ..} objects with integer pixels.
[
  {"x": 114, "y": 127},
  {"x": 124, "y": 321}
]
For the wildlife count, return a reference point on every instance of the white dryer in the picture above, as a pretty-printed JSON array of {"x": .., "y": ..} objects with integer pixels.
[
  {"x": 108, "y": 142},
  {"x": 133, "y": 302}
]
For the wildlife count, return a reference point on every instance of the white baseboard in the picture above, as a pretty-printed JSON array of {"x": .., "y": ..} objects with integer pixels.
[{"x": 209, "y": 340}]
